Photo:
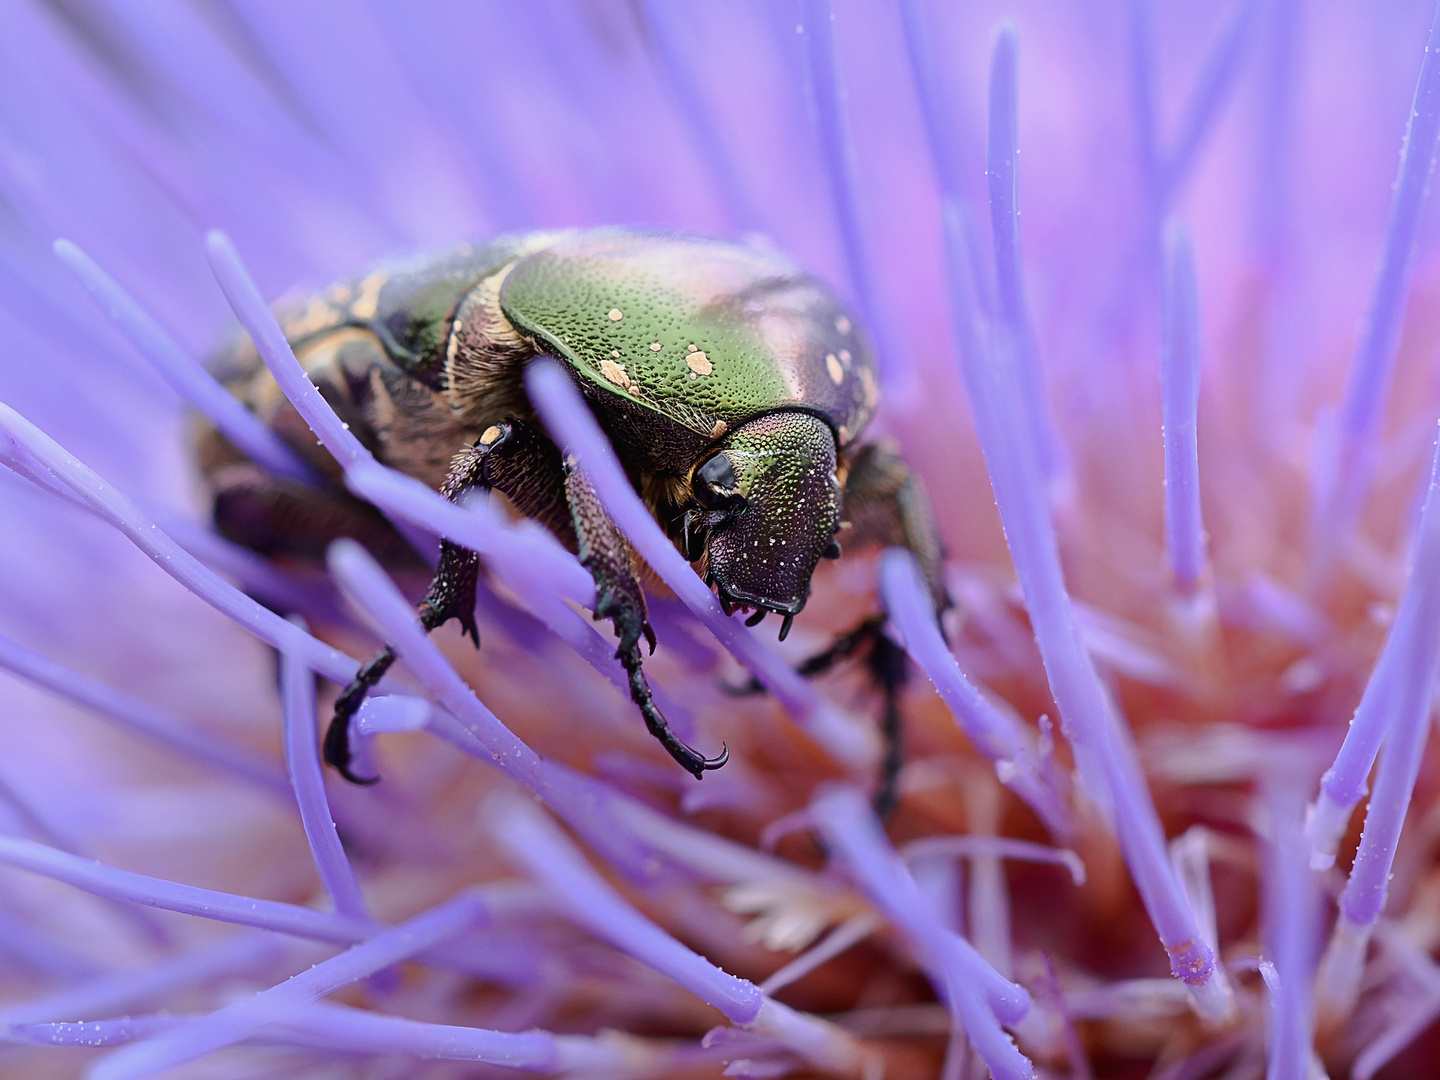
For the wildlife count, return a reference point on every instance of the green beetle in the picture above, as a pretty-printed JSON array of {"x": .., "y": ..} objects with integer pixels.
[{"x": 733, "y": 386}]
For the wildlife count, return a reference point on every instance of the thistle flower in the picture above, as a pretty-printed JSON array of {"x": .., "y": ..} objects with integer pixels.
[{"x": 1129, "y": 841}]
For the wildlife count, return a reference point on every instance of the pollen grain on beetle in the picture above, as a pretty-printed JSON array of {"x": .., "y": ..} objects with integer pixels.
[{"x": 1092, "y": 736}]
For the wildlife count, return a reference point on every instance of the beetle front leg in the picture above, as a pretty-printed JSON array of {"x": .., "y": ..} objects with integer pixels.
[
  {"x": 619, "y": 597},
  {"x": 511, "y": 457}
]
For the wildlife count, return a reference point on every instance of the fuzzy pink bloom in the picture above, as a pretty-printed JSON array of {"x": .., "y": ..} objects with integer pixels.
[{"x": 1183, "y": 345}]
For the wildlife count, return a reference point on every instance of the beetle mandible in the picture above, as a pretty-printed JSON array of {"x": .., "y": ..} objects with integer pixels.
[{"x": 733, "y": 386}]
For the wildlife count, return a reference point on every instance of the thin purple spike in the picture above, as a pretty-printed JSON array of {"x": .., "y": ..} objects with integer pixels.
[
  {"x": 995, "y": 847},
  {"x": 1180, "y": 400},
  {"x": 662, "y": 21},
  {"x": 259, "y": 322},
  {"x": 182, "y": 371},
  {"x": 995, "y": 733},
  {"x": 1218, "y": 75},
  {"x": 116, "y": 884},
  {"x": 822, "y": 69},
  {"x": 302, "y": 757},
  {"x": 526, "y": 558},
  {"x": 234, "y": 1022},
  {"x": 538, "y": 845},
  {"x": 565, "y": 413},
  {"x": 1105, "y": 758},
  {"x": 1390, "y": 695},
  {"x": 1143, "y": 98},
  {"x": 240, "y": 954},
  {"x": 949, "y": 143},
  {"x": 1002, "y": 153},
  {"x": 474, "y": 526},
  {"x": 587, "y": 899},
  {"x": 450, "y": 97},
  {"x": 367, "y": 586},
  {"x": 472, "y": 727},
  {"x": 30, "y": 452},
  {"x": 37, "y": 948},
  {"x": 1368, "y": 385},
  {"x": 257, "y": 575},
  {"x": 214, "y": 749},
  {"x": 1412, "y": 679},
  {"x": 93, "y": 1034},
  {"x": 1292, "y": 910},
  {"x": 978, "y": 996}
]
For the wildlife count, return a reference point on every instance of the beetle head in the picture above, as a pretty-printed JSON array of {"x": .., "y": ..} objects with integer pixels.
[{"x": 769, "y": 507}]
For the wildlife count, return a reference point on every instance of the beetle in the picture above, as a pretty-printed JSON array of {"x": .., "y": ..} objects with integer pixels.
[{"x": 734, "y": 387}]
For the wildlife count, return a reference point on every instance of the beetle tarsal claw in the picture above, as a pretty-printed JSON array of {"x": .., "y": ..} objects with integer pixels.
[
  {"x": 785, "y": 627},
  {"x": 757, "y": 618}
]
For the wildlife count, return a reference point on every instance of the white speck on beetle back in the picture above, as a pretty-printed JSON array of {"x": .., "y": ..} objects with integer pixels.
[
  {"x": 832, "y": 365},
  {"x": 616, "y": 314},
  {"x": 654, "y": 346},
  {"x": 699, "y": 364},
  {"x": 842, "y": 324},
  {"x": 615, "y": 373}
]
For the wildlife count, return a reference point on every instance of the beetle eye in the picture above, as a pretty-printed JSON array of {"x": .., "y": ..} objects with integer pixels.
[{"x": 714, "y": 483}]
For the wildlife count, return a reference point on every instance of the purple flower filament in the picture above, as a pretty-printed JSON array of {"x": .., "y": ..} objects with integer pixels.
[
  {"x": 1107, "y": 765},
  {"x": 1370, "y": 372},
  {"x": 1002, "y": 173},
  {"x": 1409, "y": 687},
  {"x": 302, "y": 756},
  {"x": 184, "y": 374},
  {"x": 996, "y": 734},
  {"x": 1180, "y": 398}
]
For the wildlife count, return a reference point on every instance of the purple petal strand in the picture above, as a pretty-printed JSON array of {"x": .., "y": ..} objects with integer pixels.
[
  {"x": 1106, "y": 760},
  {"x": 538, "y": 845},
  {"x": 993, "y": 732},
  {"x": 1180, "y": 399},
  {"x": 1411, "y": 678},
  {"x": 117, "y": 884},
  {"x": 1374, "y": 361},
  {"x": 240, "y": 955},
  {"x": 30, "y": 452},
  {"x": 186, "y": 376},
  {"x": 978, "y": 996},
  {"x": 1219, "y": 73},
  {"x": 1391, "y": 698},
  {"x": 662, "y": 20},
  {"x": 255, "y": 315},
  {"x": 827, "y": 94},
  {"x": 234, "y": 1022},
  {"x": 212, "y": 748},
  {"x": 302, "y": 757},
  {"x": 1002, "y": 153},
  {"x": 1292, "y": 918},
  {"x": 566, "y": 414}
]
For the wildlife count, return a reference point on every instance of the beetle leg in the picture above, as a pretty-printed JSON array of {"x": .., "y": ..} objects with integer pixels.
[
  {"x": 512, "y": 457},
  {"x": 619, "y": 597}
]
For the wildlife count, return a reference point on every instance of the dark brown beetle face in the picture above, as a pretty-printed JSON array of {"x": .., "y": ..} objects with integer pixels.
[{"x": 769, "y": 507}]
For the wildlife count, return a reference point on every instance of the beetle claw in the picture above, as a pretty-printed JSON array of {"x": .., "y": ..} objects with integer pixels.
[
  {"x": 757, "y": 618},
  {"x": 785, "y": 627}
]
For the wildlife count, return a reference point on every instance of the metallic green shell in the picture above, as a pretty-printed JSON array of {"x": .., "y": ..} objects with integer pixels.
[{"x": 703, "y": 332}]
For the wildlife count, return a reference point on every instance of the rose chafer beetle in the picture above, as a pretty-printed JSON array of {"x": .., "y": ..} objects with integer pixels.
[{"x": 733, "y": 386}]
